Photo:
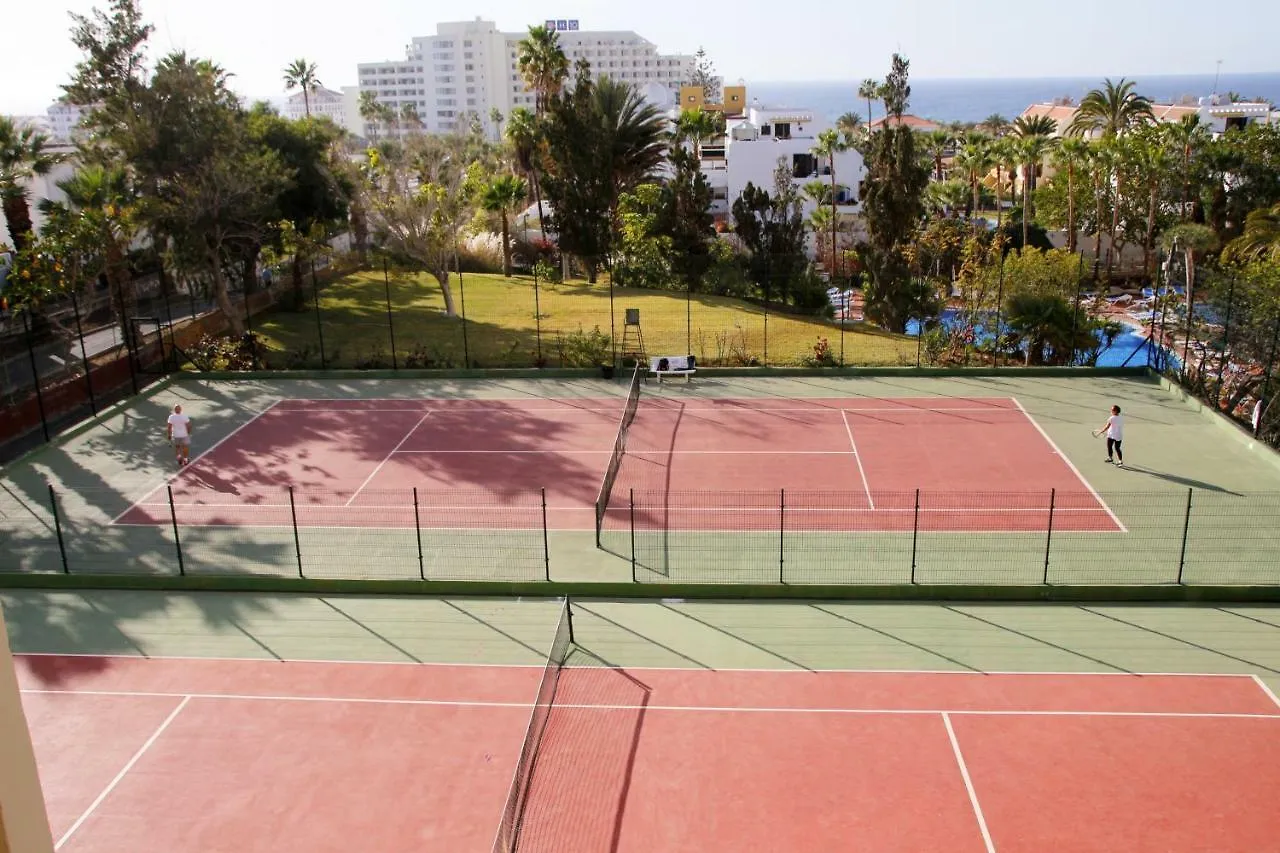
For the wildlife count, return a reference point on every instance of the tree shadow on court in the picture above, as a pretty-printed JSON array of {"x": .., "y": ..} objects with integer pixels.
[{"x": 581, "y": 780}]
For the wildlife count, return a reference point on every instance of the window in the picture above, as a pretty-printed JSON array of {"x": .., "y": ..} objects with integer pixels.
[
  {"x": 782, "y": 130},
  {"x": 766, "y": 130},
  {"x": 802, "y": 165},
  {"x": 445, "y": 90}
]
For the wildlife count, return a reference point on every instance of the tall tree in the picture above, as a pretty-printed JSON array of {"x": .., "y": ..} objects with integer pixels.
[
  {"x": 100, "y": 204},
  {"x": 503, "y": 195},
  {"x": 704, "y": 75},
  {"x": 1261, "y": 237},
  {"x": 496, "y": 118},
  {"x": 685, "y": 217},
  {"x": 301, "y": 74},
  {"x": 831, "y": 143},
  {"x": 893, "y": 205},
  {"x": 1032, "y": 150},
  {"x": 1193, "y": 240},
  {"x": 422, "y": 197},
  {"x": 849, "y": 124},
  {"x": 1187, "y": 137},
  {"x": 525, "y": 135},
  {"x": 696, "y": 126},
  {"x": 24, "y": 154},
  {"x": 1070, "y": 154},
  {"x": 772, "y": 228},
  {"x": 974, "y": 160},
  {"x": 869, "y": 90},
  {"x": 374, "y": 113},
  {"x": 994, "y": 124},
  {"x": 542, "y": 65},
  {"x": 937, "y": 143}
]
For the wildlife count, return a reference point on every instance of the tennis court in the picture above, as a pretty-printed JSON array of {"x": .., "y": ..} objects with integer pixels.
[
  {"x": 155, "y": 754},
  {"x": 887, "y": 479},
  {"x": 356, "y": 463}
]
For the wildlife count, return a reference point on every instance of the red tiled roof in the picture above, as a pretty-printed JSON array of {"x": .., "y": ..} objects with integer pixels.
[{"x": 913, "y": 122}]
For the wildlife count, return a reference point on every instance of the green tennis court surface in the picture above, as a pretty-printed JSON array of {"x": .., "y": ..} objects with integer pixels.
[
  {"x": 798, "y": 480},
  {"x": 194, "y": 721}
]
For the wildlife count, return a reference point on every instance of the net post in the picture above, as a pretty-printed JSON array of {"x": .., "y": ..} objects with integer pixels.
[
  {"x": 546, "y": 543},
  {"x": 177, "y": 539},
  {"x": 1048, "y": 539},
  {"x": 568, "y": 615},
  {"x": 57, "y": 529},
  {"x": 1186, "y": 527},
  {"x": 391, "y": 325},
  {"x": 782, "y": 535},
  {"x": 915, "y": 534},
  {"x": 297, "y": 542},
  {"x": 417, "y": 532},
  {"x": 632, "y": 498}
]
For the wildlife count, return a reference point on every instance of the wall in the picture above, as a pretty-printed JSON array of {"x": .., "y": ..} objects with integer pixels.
[{"x": 24, "y": 823}]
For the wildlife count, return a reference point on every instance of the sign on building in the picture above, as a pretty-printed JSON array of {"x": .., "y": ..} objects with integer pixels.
[{"x": 561, "y": 25}]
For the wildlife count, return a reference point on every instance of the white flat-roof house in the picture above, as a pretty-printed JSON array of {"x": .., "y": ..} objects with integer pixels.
[
  {"x": 324, "y": 102},
  {"x": 470, "y": 67},
  {"x": 1216, "y": 113},
  {"x": 757, "y": 138}
]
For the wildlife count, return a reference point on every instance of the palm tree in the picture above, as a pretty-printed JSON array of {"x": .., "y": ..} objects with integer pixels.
[
  {"x": 542, "y": 65},
  {"x": 1150, "y": 161},
  {"x": 376, "y": 114},
  {"x": 1004, "y": 154},
  {"x": 1034, "y": 126},
  {"x": 849, "y": 123},
  {"x": 100, "y": 203},
  {"x": 1111, "y": 110},
  {"x": 502, "y": 196},
  {"x": 1186, "y": 136},
  {"x": 1031, "y": 151},
  {"x": 974, "y": 159},
  {"x": 409, "y": 115},
  {"x": 636, "y": 132},
  {"x": 831, "y": 143},
  {"x": 1071, "y": 152},
  {"x": 301, "y": 74},
  {"x": 936, "y": 143},
  {"x": 24, "y": 155},
  {"x": 526, "y": 139},
  {"x": 496, "y": 118},
  {"x": 696, "y": 125},
  {"x": 994, "y": 124},
  {"x": 1261, "y": 237},
  {"x": 870, "y": 90}
]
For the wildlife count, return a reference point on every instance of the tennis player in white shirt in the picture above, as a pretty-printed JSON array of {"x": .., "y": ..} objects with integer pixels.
[
  {"x": 179, "y": 431},
  {"x": 1114, "y": 428}
]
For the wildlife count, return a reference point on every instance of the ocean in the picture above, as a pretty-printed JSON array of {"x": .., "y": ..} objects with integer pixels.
[{"x": 972, "y": 100}]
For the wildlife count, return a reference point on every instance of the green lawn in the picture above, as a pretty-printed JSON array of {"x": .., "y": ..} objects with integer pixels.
[{"x": 501, "y": 329}]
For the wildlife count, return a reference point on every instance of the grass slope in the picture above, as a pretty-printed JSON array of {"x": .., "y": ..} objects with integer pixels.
[{"x": 502, "y": 330}]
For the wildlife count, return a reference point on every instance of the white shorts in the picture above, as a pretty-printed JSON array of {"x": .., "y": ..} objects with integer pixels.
[{"x": 182, "y": 441}]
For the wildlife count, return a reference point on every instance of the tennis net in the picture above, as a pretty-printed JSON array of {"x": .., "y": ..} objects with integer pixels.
[
  {"x": 513, "y": 813},
  {"x": 619, "y": 449}
]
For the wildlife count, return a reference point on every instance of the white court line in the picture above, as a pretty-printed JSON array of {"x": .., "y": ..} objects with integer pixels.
[
  {"x": 123, "y": 771},
  {"x": 679, "y": 669},
  {"x": 1071, "y": 465},
  {"x": 708, "y": 709},
  {"x": 656, "y": 409},
  {"x": 857, "y": 457},
  {"x": 387, "y": 459},
  {"x": 1265, "y": 689},
  {"x": 562, "y": 452},
  {"x": 968, "y": 783},
  {"x": 198, "y": 457},
  {"x": 588, "y": 507}
]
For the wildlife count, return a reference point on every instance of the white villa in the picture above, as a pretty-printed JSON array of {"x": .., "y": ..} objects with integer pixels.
[
  {"x": 324, "y": 102},
  {"x": 1216, "y": 113}
]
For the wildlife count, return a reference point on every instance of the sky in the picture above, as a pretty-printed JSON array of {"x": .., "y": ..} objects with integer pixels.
[{"x": 757, "y": 40}]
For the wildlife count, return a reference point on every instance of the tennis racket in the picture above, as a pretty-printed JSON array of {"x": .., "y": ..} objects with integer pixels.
[{"x": 1098, "y": 432}]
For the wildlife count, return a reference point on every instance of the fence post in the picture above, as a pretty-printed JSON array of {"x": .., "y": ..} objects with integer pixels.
[
  {"x": 1226, "y": 345},
  {"x": 84, "y": 355},
  {"x": 915, "y": 533},
  {"x": 417, "y": 532},
  {"x": 995, "y": 346},
  {"x": 766, "y": 320},
  {"x": 173, "y": 341},
  {"x": 782, "y": 535},
  {"x": 613, "y": 323},
  {"x": 634, "y": 579},
  {"x": 537, "y": 314},
  {"x": 35, "y": 373},
  {"x": 1186, "y": 344},
  {"x": 177, "y": 540},
  {"x": 57, "y": 529},
  {"x": 315, "y": 301},
  {"x": 1186, "y": 526},
  {"x": 297, "y": 543},
  {"x": 391, "y": 325},
  {"x": 1075, "y": 308},
  {"x": 919, "y": 339},
  {"x": 127, "y": 325},
  {"x": 688, "y": 318},
  {"x": 546, "y": 543},
  {"x": 1048, "y": 539},
  {"x": 462, "y": 298}
]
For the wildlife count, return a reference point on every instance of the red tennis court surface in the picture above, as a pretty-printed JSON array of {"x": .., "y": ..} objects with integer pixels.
[
  {"x": 856, "y": 463},
  {"x": 145, "y": 755}
]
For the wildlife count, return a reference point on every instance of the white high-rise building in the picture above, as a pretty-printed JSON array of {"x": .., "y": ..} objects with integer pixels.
[{"x": 470, "y": 67}]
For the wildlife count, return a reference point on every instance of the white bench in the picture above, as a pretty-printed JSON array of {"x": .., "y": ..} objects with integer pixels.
[{"x": 677, "y": 365}]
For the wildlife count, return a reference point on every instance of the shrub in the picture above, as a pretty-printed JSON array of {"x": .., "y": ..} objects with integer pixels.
[
  {"x": 822, "y": 355},
  {"x": 225, "y": 352},
  {"x": 481, "y": 253},
  {"x": 584, "y": 349}
]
